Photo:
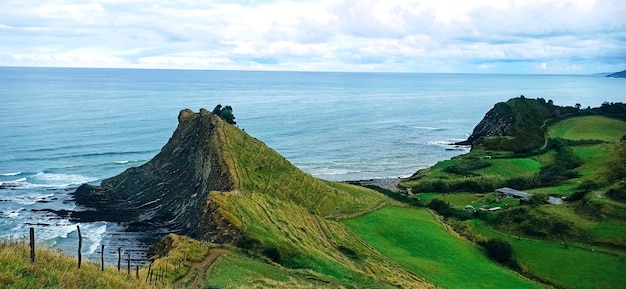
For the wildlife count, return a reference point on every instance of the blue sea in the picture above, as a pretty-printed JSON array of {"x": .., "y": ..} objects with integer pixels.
[{"x": 61, "y": 127}]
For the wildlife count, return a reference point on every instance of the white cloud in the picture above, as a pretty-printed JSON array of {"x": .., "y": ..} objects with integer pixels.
[{"x": 392, "y": 35}]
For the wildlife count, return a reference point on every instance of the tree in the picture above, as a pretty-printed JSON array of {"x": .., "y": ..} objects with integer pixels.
[
  {"x": 225, "y": 113},
  {"x": 499, "y": 250}
]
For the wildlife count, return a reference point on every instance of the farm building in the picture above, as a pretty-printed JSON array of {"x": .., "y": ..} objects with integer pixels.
[
  {"x": 555, "y": 200},
  {"x": 512, "y": 193}
]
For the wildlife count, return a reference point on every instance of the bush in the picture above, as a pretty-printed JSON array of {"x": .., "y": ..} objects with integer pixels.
[
  {"x": 618, "y": 192},
  {"x": 272, "y": 253},
  {"x": 499, "y": 250}
]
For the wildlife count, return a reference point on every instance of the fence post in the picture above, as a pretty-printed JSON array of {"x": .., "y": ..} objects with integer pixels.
[
  {"x": 32, "y": 245},
  {"x": 128, "y": 270},
  {"x": 80, "y": 245},
  {"x": 166, "y": 261},
  {"x": 119, "y": 258},
  {"x": 102, "y": 259},
  {"x": 149, "y": 270}
]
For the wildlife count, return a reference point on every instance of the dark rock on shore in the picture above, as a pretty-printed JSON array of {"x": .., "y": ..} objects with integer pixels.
[{"x": 171, "y": 191}]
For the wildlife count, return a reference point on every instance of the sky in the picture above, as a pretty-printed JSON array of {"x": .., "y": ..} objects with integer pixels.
[{"x": 447, "y": 36}]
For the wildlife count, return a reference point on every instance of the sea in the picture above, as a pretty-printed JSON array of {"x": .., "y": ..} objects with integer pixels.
[{"x": 62, "y": 127}]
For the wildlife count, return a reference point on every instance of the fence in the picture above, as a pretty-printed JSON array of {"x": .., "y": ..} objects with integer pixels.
[{"x": 151, "y": 276}]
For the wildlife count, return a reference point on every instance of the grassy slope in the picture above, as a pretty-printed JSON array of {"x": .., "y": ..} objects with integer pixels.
[
  {"x": 588, "y": 127},
  {"x": 603, "y": 220},
  {"x": 53, "y": 270},
  {"x": 414, "y": 239},
  {"x": 578, "y": 266},
  {"x": 287, "y": 209}
]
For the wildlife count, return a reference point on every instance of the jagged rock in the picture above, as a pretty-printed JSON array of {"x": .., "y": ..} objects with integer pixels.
[
  {"x": 497, "y": 122},
  {"x": 171, "y": 191}
]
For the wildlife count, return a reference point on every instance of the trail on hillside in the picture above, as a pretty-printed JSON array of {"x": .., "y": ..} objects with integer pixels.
[{"x": 200, "y": 269}]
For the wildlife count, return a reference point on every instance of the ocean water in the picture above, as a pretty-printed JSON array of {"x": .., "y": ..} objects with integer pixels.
[{"x": 61, "y": 127}]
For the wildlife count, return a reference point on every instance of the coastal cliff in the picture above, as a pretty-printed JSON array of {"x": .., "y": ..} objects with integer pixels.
[
  {"x": 516, "y": 125},
  {"x": 172, "y": 190},
  {"x": 214, "y": 182}
]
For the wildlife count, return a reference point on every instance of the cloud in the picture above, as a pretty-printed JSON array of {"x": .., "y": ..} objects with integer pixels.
[{"x": 578, "y": 36}]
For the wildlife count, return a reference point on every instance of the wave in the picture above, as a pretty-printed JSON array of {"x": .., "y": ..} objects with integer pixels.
[
  {"x": 11, "y": 174},
  {"x": 94, "y": 232},
  {"x": 121, "y": 162},
  {"x": 12, "y": 213},
  {"x": 84, "y": 155},
  {"x": 440, "y": 142},
  {"x": 30, "y": 199},
  {"x": 59, "y": 180}
]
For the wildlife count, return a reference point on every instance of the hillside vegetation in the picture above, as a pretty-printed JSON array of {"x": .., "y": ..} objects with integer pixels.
[
  {"x": 54, "y": 270},
  {"x": 580, "y": 163}
]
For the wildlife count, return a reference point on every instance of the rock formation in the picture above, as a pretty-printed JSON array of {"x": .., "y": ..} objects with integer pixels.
[{"x": 171, "y": 191}]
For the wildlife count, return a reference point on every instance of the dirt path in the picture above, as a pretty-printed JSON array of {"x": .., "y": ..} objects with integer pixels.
[{"x": 201, "y": 269}]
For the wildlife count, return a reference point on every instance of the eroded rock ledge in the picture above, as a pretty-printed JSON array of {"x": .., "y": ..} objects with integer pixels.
[{"x": 172, "y": 191}]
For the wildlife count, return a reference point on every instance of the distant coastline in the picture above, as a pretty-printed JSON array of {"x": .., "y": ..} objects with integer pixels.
[{"x": 621, "y": 74}]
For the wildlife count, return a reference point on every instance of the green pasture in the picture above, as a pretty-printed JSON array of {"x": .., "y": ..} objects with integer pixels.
[
  {"x": 415, "y": 240},
  {"x": 594, "y": 159},
  {"x": 237, "y": 271},
  {"x": 577, "y": 266},
  {"x": 589, "y": 128},
  {"x": 510, "y": 167}
]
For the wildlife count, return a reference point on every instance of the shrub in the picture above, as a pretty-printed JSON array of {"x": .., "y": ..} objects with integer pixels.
[
  {"x": 272, "y": 253},
  {"x": 499, "y": 250},
  {"x": 618, "y": 192}
]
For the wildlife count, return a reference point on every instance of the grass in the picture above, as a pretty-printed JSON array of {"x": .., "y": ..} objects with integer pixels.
[
  {"x": 511, "y": 167},
  {"x": 292, "y": 214},
  {"x": 589, "y": 127},
  {"x": 414, "y": 239},
  {"x": 578, "y": 266},
  {"x": 54, "y": 270},
  {"x": 239, "y": 271}
]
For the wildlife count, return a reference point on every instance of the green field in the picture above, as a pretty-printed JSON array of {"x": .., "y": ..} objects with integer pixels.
[
  {"x": 588, "y": 128},
  {"x": 577, "y": 266},
  {"x": 414, "y": 239},
  {"x": 511, "y": 167}
]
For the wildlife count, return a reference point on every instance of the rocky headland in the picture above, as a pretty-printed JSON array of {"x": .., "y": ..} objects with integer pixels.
[{"x": 171, "y": 191}]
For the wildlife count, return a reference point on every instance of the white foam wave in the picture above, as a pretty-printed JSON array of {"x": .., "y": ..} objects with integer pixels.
[
  {"x": 439, "y": 142},
  {"x": 121, "y": 162},
  {"x": 58, "y": 230},
  {"x": 94, "y": 232},
  {"x": 11, "y": 174},
  {"x": 42, "y": 179},
  {"x": 29, "y": 199},
  {"x": 331, "y": 171},
  {"x": 13, "y": 213}
]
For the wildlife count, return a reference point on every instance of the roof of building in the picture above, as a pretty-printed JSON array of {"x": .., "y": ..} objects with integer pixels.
[
  {"x": 555, "y": 200},
  {"x": 513, "y": 192}
]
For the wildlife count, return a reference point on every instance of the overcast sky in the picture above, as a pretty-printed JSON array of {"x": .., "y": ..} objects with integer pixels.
[{"x": 466, "y": 36}]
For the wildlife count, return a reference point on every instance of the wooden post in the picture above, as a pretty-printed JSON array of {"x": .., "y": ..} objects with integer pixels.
[
  {"x": 128, "y": 270},
  {"x": 149, "y": 270},
  {"x": 137, "y": 271},
  {"x": 102, "y": 259},
  {"x": 119, "y": 258},
  {"x": 166, "y": 259},
  {"x": 80, "y": 245},
  {"x": 32, "y": 245}
]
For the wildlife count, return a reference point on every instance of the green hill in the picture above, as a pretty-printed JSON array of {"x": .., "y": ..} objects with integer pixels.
[
  {"x": 573, "y": 245},
  {"x": 214, "y": 182}
]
